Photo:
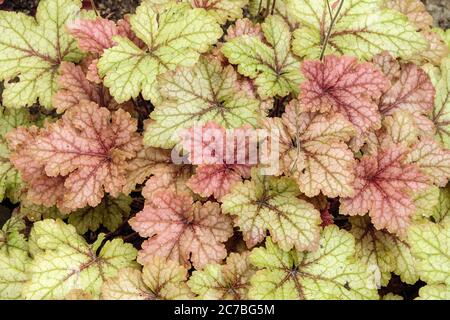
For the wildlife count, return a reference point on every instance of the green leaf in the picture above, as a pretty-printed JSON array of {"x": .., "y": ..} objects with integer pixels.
[
  {"x": 160, "y": 279},
  {"x": 63, "y": 261},
  {"x": 197, "y": 95},
  {"x": 383, "y": 252},
  {"x": 109, "y": 213},
  {"x": 332, "y": 272},
  {"x": 275, "y": 70},
  {"x": 32, "y": 50},
  {"x": 271, "y": 203},
  {"x": 175, "y": 37},
  {"x": 362, "y": 29},
  {"x": 223, "y": 282},
  {"x": 14, "y": 259},
  {"x": 426, "y": 201},
  {"x": 11, "y": 184},
  {"x": 434, "y": 292},
  {"x": 430, "y": 245},
  {"x": 35, "y": 212}
]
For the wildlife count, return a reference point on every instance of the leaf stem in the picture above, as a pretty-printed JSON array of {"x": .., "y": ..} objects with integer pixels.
[
  {"x": 94, "y": 7},
  {"x": 333, "y": 21},
  {"x": 273, "y": 6}
]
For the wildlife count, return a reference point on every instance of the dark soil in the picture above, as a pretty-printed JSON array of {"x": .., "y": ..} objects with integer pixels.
[{"x": 440, "y": 10}]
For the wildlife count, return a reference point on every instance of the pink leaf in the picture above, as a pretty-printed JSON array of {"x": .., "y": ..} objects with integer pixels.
[
  {"x": 42, "y": 189},
  {"x": 411, "y": 91},
  {"x": 341, "y": 84},
  {"x": 182, "y": 231},
  {"x": 89, "y": 147},
  {"x": 217, "y": 180},
  {"x": 383, "y": 187},
  {"x": 244, "y": 27},
  {"x": 93, "y": 35}
]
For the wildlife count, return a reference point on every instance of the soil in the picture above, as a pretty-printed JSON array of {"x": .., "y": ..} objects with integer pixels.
[{"x": 440, "y": 10}]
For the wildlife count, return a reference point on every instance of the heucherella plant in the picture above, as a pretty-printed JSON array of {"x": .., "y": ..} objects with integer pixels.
[{"x": 226, "y": 150}]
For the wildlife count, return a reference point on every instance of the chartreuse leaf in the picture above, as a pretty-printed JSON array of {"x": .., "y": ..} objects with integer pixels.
[
  {"x": 219, "y": 282},
  {"x": 441, "y": 112},
  {"x": 271, "y": 203},
  {"x": 434, "y": 292},
  {"x": 35, "y": 212},
  {"x": 383, "y": 252},
  {"x": 426, "y": 201},
  {"x": 13, "y": 259},
  {"x": 197, "y": 95},
  {"x": 175, "y": 36},
  {"x": 63, "y": 261},
  {"x": 32, "y": 50},
  {"x": 362, "y": 28},
  {"x": 442, "y": 209},
  {"x": 220, "y": 10},
  {"x": 275, "y": 70},
  {"x": 109, "y": 213},
  {"x": 331, "y": 272},
  {"x": 160, "y": 279},
  {"x": 10, "y": 182},
  {"x": 430, "y": 245}
]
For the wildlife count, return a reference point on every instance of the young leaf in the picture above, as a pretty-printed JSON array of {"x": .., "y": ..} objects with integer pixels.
[
  {"x": 332, "y": 272},
  {"x": 160, "y": 279},
  {"x": 362, "y": 28},
  {"x": 271, "y": 64},
  {"x": 11, "y": 184},
  {"x": 271, "y": 203},
  {"x": 64, "y": 261},
  {"x": 109, "y": 213},
  {"x": 341, "y": 84},
  {"x": 313, "y": 150},
  {"x": 430, "y": 243},
  {"x": 32, "y": 49},
  {"x": 181, "y": 230},
  {"x": 88, "y": 149},
  {"x": 223, "y": 282},
  {"x": 383, "y": 188},
  {"x": 441, "y": 112},
  {"x": 175, "y": 37},
  {"x": 383, "y": 251}
]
